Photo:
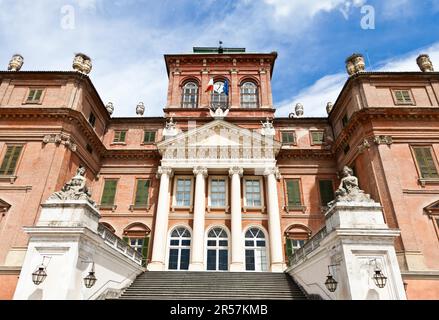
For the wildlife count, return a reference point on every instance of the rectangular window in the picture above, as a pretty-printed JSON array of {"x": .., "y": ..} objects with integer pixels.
[
  {"x": 345, "y": 120},
  {"x": 326, "y": 191},
  {"x": 402, "y": 97},
  {"x": 92, "y": 119},
  {"x": 34, "y": 96},
  {"x": 142, "y": 193},
  {"x": 149, "y": 136},
  {"x": 426, "y": 164},
  {"x": 293, "y": 193},
  {"x": 293, "y": 245},
  {"x": 217, "y": 192},
  {"x": 183, "y": 192},
  {"x": 10, "y": 160},
  {"x": 288, "y": 137},
  {"x": 119, "y": 135},
  {"x": 317, "y": 137},
  {"x": 109, "y": 192},
  {"x": 253, "y": 193}
]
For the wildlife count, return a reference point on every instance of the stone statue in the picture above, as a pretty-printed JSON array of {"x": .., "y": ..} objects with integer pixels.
[
  {"x": 299, "y": 110},
  {"x": 170, "y": 129},
  {"x": 218, "y": 113},
  {"x": 110, "y": 108},
  {"x": 425, "y": 63},
  {"x": 140, "y": 109},
  {"x": 329, "y": 107},
  {"x": 16, "y": 62},
  {"x": 267, "y": 128},
  {"x": 75, "y": 189},
  {"x": 349, "y": 191},
  {"x": 355, "y": 63},
  {"x": 82, "y": 63}
]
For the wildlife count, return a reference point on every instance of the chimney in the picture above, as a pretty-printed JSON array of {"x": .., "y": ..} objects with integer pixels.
[
  {"x": 16, "y": 62},
  {"x": 82, "y": 63},
  {"x": 355, "y": 63},
  {"x": 425, "y": 63}
]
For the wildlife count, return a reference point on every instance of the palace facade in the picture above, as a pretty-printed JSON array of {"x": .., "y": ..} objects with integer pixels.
[{"x": 219, "y": 183}]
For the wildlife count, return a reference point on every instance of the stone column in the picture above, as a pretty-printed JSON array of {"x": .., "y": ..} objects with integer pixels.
[
  {"x": 237, "y": 241},
  {"x": 204, "y": 96},
  {"x": 274, "y": 229},
  {"x": 161, "y": 222},
  {"x": 197, "y": 248}
]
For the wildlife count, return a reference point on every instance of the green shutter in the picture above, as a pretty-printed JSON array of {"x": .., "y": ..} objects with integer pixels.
[
  {"x": 293, "y": 193},
  {"x": 317, "y": 137},
  {"x": 326, "y": 191},
  {"x": 145, "y": 250},
  {"x": 426, "y": 163},
  {"x": 289, "y": 247},
  {"x": 126, "y": 239},
  {"x": 10, "y": 160},
  {"x": 38, "y": 94},
  {"x": 122, "y": 136},
  {"x": 142, "y": 193},
  {"x": 149, "y": 136},
  {"x": 109, "y": 193}
]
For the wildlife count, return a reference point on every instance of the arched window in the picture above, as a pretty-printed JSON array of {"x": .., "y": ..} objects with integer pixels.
[
  {"x": 179, "y": 249},
  {"x": 219, "y": 97},
  {"x": 255, "y": 250},
  {"x": 295, "y": 238},
  {"x": 249, "y": 95},
  {"x": 190, "y": 95},
  {"x": 217, "y": 250},
  {"x": 137, "y": 236}
]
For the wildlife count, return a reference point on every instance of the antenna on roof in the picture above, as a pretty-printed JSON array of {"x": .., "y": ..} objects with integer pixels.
[{"x": 220, "y": 48}]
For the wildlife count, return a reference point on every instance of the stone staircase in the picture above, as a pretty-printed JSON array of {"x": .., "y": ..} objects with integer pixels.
[{"x": 186, "y": 285}]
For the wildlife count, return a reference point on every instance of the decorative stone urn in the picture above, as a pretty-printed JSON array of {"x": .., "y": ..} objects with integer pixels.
[
  {"x": 355, "y": 63},
  {"x": 329, "y": 107},
  {"x": 110, "y": 108},
  {"x": 299, "y": 110},
  {"x": 82, "y": 63},
  {"x": 16, "y": 62},
  {"x": 140, "y": 109},
  {"x": 425, "y": 63}
]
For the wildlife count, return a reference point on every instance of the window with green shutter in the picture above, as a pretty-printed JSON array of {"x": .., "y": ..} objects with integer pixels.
[
  {"x": 119, "y": 136},
  {"x": 149, "y": 136},
  {"x": 288, "y": 137},
  {"x": 10, "y": 160},
  {"x": 345, "y": 120},
  {"x": 293, "y": 193},
  {"x": 142, "y": 193},
  {"x": 288, "y": 248},
  {"x": 317, "y": 137},
  {"x": 426, "y": 164},
  {"x": 402, "y": 97},
  {"x": 109, "y": 192},
  {"x": 34, "y": 96},
  {"x": 145, "y": 251},
  {"x": 326, "y": 191}
]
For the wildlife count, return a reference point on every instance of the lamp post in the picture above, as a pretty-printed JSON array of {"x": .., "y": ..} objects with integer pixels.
[{"x": 331, "y": 283}]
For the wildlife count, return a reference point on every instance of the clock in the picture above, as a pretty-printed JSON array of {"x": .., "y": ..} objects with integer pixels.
[{"x": 218, "y": 87}]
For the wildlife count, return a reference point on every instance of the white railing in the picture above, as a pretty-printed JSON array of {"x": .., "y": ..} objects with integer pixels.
[{"x": 118, "y": 244}]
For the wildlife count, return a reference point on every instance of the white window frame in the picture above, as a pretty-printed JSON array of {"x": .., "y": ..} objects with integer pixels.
[
  {"x": 169, "y": 247},
  {"x": 267, "y": 247},
  {"x": 229, "y": 252},
  {"x": 209, "y": 188},
  {"x": 262, "y": 193},
  {"x": 174, "y": 194}
]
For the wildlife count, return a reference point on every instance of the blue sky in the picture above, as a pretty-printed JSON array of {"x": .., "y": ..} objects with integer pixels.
[{"x": 127, "y": 39}]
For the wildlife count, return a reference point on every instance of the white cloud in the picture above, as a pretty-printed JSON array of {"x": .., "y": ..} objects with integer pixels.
[{"x": 327, "y": 88}]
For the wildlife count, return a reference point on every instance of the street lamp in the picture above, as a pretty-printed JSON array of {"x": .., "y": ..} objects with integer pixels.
[
  {"x": 90, "y": 279},
  {"x": 40, "y": 273},
  {"x": 379, "y": 278},
  {"x": 331, "y": 283}
]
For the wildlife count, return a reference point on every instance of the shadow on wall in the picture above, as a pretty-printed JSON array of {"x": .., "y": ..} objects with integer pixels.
[{"x": 36, "y": 295}]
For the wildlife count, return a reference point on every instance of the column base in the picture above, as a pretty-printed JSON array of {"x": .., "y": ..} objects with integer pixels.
[
  {"x": 155, "y": 266},
  {"x": 236, "y": 267},
  {"x": 277, "y": 267},
  {"x": 196, "y": 266}
]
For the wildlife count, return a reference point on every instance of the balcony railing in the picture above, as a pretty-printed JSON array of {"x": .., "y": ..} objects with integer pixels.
[
  {"x": 118, "y": 244},
  {"x": 308, "y": 247}
]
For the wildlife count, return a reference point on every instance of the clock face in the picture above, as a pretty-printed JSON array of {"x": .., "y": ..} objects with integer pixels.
[{"x": 218, "y": 87}]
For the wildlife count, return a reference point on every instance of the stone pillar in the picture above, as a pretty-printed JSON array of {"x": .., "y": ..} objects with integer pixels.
[
  {"x": 197, "y": 248},
  {"x": 237, "y": 240},
  {"x": 234, "y": 89},
  {"x": 274, "y": 229},
  {"x": 204, "y": 95},
  {"x": 161, "y": 222}
]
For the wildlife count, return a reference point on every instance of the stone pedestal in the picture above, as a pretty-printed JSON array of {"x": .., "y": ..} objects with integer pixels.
[{"x": 358, "y": 241}]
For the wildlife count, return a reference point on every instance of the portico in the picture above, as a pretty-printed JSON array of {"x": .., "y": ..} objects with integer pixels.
[{"x": 243, "y": 159}]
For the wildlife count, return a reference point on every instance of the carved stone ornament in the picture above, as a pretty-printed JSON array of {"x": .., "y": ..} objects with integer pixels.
[
  {"x": 365, "y": 145},
  {"x": 267, "y": 128},
  {"x": 170, "y": 129},
  {"x": 164, "y": 170},
  {"x": 425, "y": 63},
  {"x": 200, "y": 170},
  {"x": 140, "y": 109},
  {"x": 299, "y": 110},
  {"x": 383, "y": 140},
  {"x": 218, "y": 113},
  {"x": 355, "y": 63},
  {"x": 329, "y": 107},
  {"x": 236, "y": 170},
  {"x": 60, "y": 139},
  {"x": 272, "y": 170},
  {"x": 82, "y": 63},
  {"x": 348, "y": 191},
  {"x": 110, "y": 108},
  {"x": 16, "y": 62},
  {"x": 75, "y": 189}
]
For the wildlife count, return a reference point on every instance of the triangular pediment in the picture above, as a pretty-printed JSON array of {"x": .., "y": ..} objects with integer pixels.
[
  {"x": 4, "y": 206},
  {"x": 432, "y": 208},
  {"x": 219, "y": 139}
]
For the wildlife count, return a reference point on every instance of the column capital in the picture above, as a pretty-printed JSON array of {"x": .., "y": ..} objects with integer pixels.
[
  {"x": 236, "y": 170},
  {"x": 200, "y": 170},
  {"x": 272, "y": 170},
  {"x": 165, "y": 170}
]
